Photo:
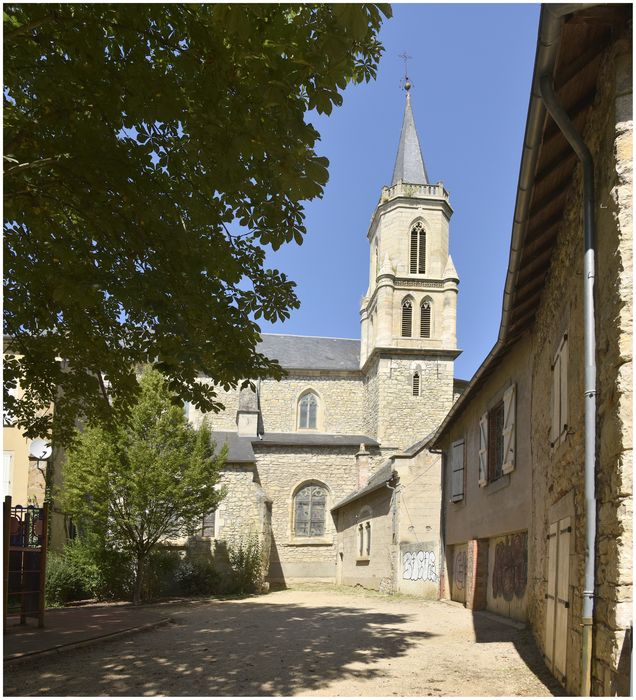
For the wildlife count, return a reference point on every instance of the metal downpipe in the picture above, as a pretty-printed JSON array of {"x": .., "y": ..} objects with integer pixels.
[{"x": 589, "y": 339}]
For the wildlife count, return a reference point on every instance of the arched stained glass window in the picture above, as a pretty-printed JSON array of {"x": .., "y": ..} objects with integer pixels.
[
  {"x": 407, "y": 319},
  {"x": 309, "y": 511},
  {"x": 308, "y": 411}
]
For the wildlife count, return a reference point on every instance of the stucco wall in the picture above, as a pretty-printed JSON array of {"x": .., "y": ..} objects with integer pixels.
[
  {"x": 558, "y": 474},
  {"x": 502, "y": 506},
  {"x": 377, "y": 571}
]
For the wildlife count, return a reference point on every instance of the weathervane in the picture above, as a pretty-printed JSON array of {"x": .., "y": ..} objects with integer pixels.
[{"x": 405, "y": 82}]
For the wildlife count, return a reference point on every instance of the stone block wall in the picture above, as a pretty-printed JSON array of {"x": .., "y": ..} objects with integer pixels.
[
  {"x": 281, "y": 471},
  {"x": 340, "y": 401},
  {"x": 558, "y": 473},
  {"x": 403, "y": 419}
]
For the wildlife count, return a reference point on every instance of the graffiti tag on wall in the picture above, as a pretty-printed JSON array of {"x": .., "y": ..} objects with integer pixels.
[
  {"x": 459, "y": 569},
  {"x": 510, "y": 571},
  {"x": 419, "y": 566}
]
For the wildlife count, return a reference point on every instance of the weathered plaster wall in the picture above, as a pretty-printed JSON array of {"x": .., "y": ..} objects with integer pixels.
[
  {"x": 376, "y": 571},
  {"x": 558, "y": 487},
  {"x": 502, "y": 506}
]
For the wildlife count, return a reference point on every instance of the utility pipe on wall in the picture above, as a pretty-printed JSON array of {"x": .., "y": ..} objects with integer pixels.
[{"x": 589, "y": 339}]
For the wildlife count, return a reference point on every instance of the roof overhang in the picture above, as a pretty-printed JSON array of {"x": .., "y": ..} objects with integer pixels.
[{"x": 571, "y": 41}]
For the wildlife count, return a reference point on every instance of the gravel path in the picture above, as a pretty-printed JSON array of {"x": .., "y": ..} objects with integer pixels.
[{"x": 302, "y": 642}]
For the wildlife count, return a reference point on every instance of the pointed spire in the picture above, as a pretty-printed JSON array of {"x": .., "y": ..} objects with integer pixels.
[
  {"x": 450, "y": 273},
  {"x": 409, "y": 164}
]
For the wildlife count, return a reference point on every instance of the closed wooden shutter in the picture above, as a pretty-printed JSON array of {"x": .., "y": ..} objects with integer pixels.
[
  {"x": 555, "y": 430},
  {"x": 483, "y": 450},
  {"x": 562, "y": 598},
  {"x": 457, "y": 471},
  {"x": 551, "y": 593},
  {"x": 509, "y": 429},
  {"x": 563, "y": 393},
  {"x": 407, "y": 319}
]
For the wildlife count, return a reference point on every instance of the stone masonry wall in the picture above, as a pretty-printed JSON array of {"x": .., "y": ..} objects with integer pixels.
[
  {"x": 340, "y": 403},
  {"x": 281, "y": 471},
  {"x": 558, "y": 488},
  {"x": 403, "y": 418}
]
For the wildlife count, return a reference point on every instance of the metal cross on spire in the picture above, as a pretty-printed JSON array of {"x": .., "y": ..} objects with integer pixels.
[{"x": 406, "y": 83}]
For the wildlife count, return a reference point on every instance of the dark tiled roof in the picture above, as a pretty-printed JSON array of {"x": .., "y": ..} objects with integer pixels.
[
  {"x": 308, "y": 352},
  {"x": 239, "y": 448},
  {"x": 315, "y": 439},
  {"x": 377, "y": 480}
]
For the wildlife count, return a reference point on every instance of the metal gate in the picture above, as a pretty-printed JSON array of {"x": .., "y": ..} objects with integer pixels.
[{"x": 25, "y": 536}]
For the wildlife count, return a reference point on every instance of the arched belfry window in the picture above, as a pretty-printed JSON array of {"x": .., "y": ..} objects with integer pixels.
[
  {"x": 418, "y": 249},
  {"x": 416, "y": 383},
  {"x": 425, "y": 319},
  {"x": 308, "y": 411},
  {"x": 310, "y": 504},
  {"x": 407, "y": 318}
]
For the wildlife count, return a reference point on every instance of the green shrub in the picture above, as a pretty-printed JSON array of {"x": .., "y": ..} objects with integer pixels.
[
  {"x": 160, "y": 577},
  {"x": 64, "y": 581},
  {"x": 246, "y": 560},
  {"x": 197, "y": 577}
]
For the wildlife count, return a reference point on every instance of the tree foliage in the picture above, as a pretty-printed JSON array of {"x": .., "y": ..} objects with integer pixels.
[
  {"x": 150, "y": 479},
  {"x": 151, "y": 151}
]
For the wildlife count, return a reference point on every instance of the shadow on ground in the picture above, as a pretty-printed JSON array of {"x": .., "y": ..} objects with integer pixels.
[
  {"x": 524, "y": 644},
  {"x": 233, "y": 648}
]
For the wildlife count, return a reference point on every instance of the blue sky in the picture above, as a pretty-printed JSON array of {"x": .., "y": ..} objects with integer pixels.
[{"x": 471, "y": 71}]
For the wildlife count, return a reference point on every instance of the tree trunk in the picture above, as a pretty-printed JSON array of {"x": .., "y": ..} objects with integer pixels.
[{"x": 139, "y": 579}]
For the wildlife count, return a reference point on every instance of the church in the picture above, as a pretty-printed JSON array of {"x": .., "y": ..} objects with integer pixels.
[{"x": 327, "y": 466}]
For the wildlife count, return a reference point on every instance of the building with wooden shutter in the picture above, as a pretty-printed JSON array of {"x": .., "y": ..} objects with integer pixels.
[{"x": 538, "y": 515}]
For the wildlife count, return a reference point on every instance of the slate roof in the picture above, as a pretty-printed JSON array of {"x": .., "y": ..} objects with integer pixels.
[
  {"x": 409, "y": 164},
  {"x": 310, "y": 352},
  {"x": 240, "y": 450},
  {"x": 377, "y": 480}
]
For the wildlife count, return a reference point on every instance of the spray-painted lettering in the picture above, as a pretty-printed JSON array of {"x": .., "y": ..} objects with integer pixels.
[
  {"x": 510, "y": 570},
  {"x": 419, "y": 566}
]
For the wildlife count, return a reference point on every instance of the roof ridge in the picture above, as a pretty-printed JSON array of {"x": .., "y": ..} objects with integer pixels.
[{"x": 323, "y": 337}]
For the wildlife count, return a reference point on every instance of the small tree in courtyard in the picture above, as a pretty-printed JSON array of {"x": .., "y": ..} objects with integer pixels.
[{"x": 148, "y": 480}]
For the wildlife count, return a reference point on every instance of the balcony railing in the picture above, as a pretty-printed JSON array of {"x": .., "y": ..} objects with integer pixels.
[{"x": 404, "y": 189}]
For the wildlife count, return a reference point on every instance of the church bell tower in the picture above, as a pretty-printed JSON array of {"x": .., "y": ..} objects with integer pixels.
[{"x": 408, "y": 315}]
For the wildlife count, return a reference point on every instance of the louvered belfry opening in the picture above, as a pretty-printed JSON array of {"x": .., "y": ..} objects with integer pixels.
[
  {"x": 418, "y": 249},
  {"x": 407, "y": 319},
  {"x": 416, "y": 384},
  {"x": 425, "y": 320}
]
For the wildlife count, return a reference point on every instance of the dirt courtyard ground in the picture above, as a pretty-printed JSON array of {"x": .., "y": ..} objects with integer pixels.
[{"x": 302, "y": 642}]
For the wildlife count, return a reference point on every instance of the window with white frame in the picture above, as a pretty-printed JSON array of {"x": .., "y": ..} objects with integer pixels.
[
  {"x": 457, "y": 471},
  {"x": 308, "y": 411},
  {"x": 559, "y": 427},
  {"x": 497, "y": 438},
  {"x": 407, "y": 318},
  {"x": 7, "y": 474},
  {"x": 418, "y": 249}
]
